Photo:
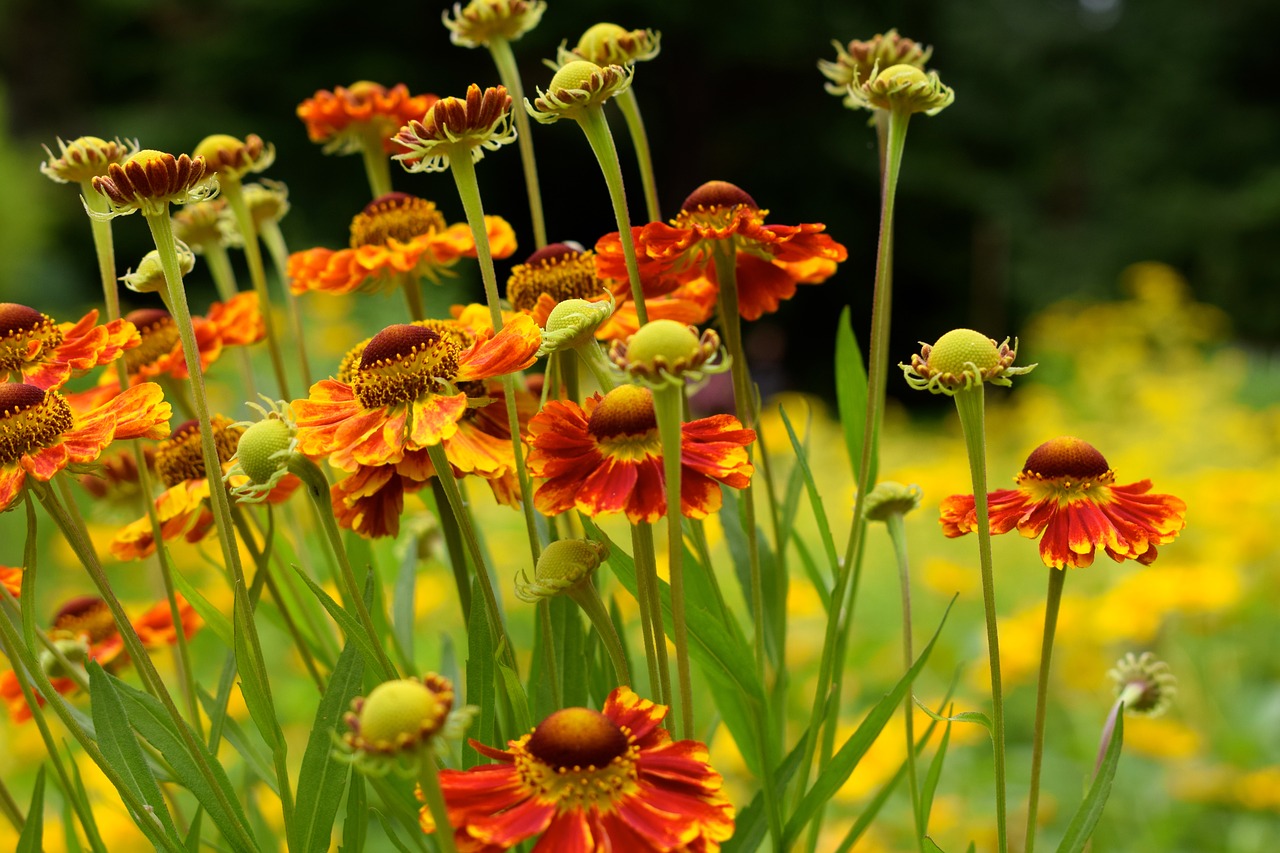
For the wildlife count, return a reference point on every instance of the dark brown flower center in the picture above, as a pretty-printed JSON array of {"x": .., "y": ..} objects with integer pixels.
[
  {"x": 559, "y": 270},
  {"x": 1067, "y": 457},
  {"x": 717, "y": 194},
  {"x": 30, "y": 419},
  {"x": 577, "y": 737},
  {"x": 449, "y": 330},
  {"x": 402, "y": 363},
  {"x": 394, "y": 216},
  {"x": 87, "y": 615},
  {"x": 19, "y": 326},
  {"x": 180, "y": 457},
  {"x": 158, "y": 333},
  {"x": 626, "y": 410}
]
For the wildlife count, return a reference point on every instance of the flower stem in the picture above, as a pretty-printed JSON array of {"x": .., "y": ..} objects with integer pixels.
[
  {"x": 655, "y": 637},
  {"x": 377, "y": 168},
  {"x": 1057, "y": 577},
  {"x": 588, "y": 598},
  {"x": 429, "y": 781},
  {"x": 898, "y": 536},
  {"x": 668, "y": 405},
  {"x": 413, "y": 296},
  {"x": 234, "y": 194},
  {"x": 969, "y": 405},
  {"x": 596, "y": 127},
  {"x": 452, "y": 531},
  {"x": 630, "y": 107},
  {"x": 549, "y": 651},
  {"x": 509, "y": 74},
  {"x": 224, "y": 280},
  {"x": 273, "y": 239},
  {"x": 597, "y": 362}
]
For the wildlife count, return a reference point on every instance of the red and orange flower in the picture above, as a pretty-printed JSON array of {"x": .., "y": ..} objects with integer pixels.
[
  {"x": 40, "y": 433},
  {"x": 1067, "y": 492},
  {"x": 607, "y": 457},
  {"x": 397, "y": 236},
  {"x": 84, "y": 630},
  {"x": 183, "y": 507},
  {"x": 771, "y": 259},
  {"x": 38, "y": 351},
  {"x": 11, "y": 579},
  {"x": 585, "y": 781},
  {"x": 342, "y": 119}
]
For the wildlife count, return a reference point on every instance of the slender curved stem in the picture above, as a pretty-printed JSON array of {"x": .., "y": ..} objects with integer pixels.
[
  {"x": 651, "y": 610},
  {"x": 509, "y": 74},
  {"x": 630, "y": 107},
  {"x": 1057, "y": 577},
  {"x": 588, "y": 598},
  {"x": 224, "y": 280},
  {"x": 429, "y": 782},
  {"x": 273, "y": 239},
  {"x": 668, "y": 404},
  {"x": 377, "y": 166},
  {"x": 898, "y": 536}
]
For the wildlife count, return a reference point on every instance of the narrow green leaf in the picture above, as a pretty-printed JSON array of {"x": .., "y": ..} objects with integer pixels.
[
  {"x": 851, "y": 392},
  {"x": 213, "y": 618},
  {"x": 480, "y": 675},
  {"x": 194, "y": 832},
  {"x": 254, "y": 684},
  {"x": 932, "y": 846},
  {"x": 811, "y": 487},
  {"x": 150, "y": 719},
  {"x": 84, "y": 810},
  {"x": 820, "y": 584},
  {"x": 68, "y": 822},
  {"x": 115, "y": 738},
  {"x": 390, "y": 830},
  {"x": 350, "y": 626},
  {"x": 847, "y": 757},
  {"x": 355, "y": 826},
  {"x": 566, "y": 620},
  {"x": 322, "y": 780},
  {"x": 240, "y": 741},
  {"x": 976, "y": 717},
  {"x": 1086, "y": 817},
  {"x": 32, "y": 838},
  {"x": 931, "y": 779},
  {"x": 751, "y": 824},
  {"x": 519, "y": 701}
]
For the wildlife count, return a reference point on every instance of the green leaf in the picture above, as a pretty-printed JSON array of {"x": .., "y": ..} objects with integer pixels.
[
  {"x": 240, "y": 741},
  {"x": 570, "y": 635},
  {"x": 153, "y": 722},
  {"x": 121, "y": 749},
  {"x": 820, "y": 583},
  {"x": 976, "y": 717},
  {"x": 254, "y": 683},
  {"x": 815, "y": 499},
  {"x": 932, "y": 778},
  {"x": 751, "y": 824},
  {"x": 84, "y": 811},
  {"x": 851, "y": 393},
  {"x": 213, "y": 618},
  {"x": 519, "y": 701},
  {"x": 932, "y": 846},
  {"x": 351, "y": 628},
  {"x": 355, "y": 826},
  {"x": 32, "y": 837},
  {"x": 481, "y": 691},
  {"x": 322, "y": 780},
  {"x": 847, "y": 757},
  {"x": 390, "y": 830},
  {"x": 1086, "y": 817}
]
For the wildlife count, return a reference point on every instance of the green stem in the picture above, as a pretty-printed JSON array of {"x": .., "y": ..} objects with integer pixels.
[
  {"x": 413, "y": 296},
  {"x": 549, "y": 651},
  {"x": 592, "y": 355},
  {"x": 588, "y": 598},
  {"x": 569, "y": 374},
  {"x": 630, "y": 107},
  {"x": 1057, "y": 577},
  {"x": 596, "y": 127},
  {"x": 224, "y": 280},
  {"x": 273, "y": 238},
  {"x": 104, "y": 248},
  {"x": 429, "y": 781},
  {"x": 668, "y": 405},
  {"x": 898, "y": 536},
  {"x": 453, "y": 542},
  {"x": 377, "y": 166},
  {"x": 969, "y": 406},
  {"x": 655, "y": 637},
  {"x": 233, "y": 192},
  {"x": 449, "y": 483},
  {"x": 464, "y": 175},
  {"x": 509, "y": 74},
  {"x": 9, "y": 806}
]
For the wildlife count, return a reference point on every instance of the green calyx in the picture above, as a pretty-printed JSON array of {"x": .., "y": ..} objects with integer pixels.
[
  {"x": 259, "y": 446},
  {"x": 963, "y": 349}
]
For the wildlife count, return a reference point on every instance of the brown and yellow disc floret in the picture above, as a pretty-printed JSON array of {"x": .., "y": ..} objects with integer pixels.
[
  {"x": 180, "y": 457},
  {"x": 30, "y": 419}
]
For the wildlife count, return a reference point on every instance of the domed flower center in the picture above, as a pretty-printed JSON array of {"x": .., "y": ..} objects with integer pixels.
[
  {"x": 181, "y": 456},
  {"x": 394, "y": 216},
  {"x": 625, "y": 412},
  {"x": 86, "y": 616},
  {"x": 24, "y": 334},
  {"x": 402, "y": 363},
  {"x": 578, "y": 738},
  {"x": 450, "y": 331},
  {"x": 159, "y": 334},
  {"x": 715, "y": 204},
  {"x": 559, "y": 270},
  {"x": 1068, "y": 466},
  {"x": 959, "y": 348},
  {"x": 30, "y": 419}
]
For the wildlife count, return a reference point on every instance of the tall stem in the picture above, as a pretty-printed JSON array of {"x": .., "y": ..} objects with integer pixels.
[
  {"x": 588, "y": 598},
  {"x": 377, "y": 166},
  {"x": 273, "y": 239},
  {"x": 651, "y": 610},
  {"x": 969, "y": 405},
  {"x": 898, "y": 536},
  {"x": 224, "y": 281},
  {"x": 509, "y": 74},
  {"x": 1057, "y": 577},
  {"x": 594, "y": 125},
  {"x": 630, "y": 107},
  {"x": 429, "y": 782}
]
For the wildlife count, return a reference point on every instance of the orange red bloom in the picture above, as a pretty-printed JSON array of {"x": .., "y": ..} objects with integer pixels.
[
  {"x": 40, "y": 434},
  {"x": 771, "y": 259},
  {"x": 36, "y": 350},
  {"x": 394, "y": 237},
  {"x": 1067, "y": 492},
  {"x": 341, "y": 119},
  {"x": 11, "y": 579},
  {"x": 607, "y": 457},
  {"x": 585, "y": 781}
]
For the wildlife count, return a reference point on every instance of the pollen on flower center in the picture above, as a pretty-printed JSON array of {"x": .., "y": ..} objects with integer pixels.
[
  {"x": 577, "y": 738},
  {"x": 1066, "y": 458},
  {"x": 717, "y": 194},
  {"x": 158, "y": 333},
  {"x": 401, "y": 363},
  {"x": 86, "y": 616},
  {"x": 30, "y": 419},
  {"x": 625, "y": 411},
  {"x": 558, "y": 270},
  {"x": 397, "y": 216},
  {"x": 181, "y": 456},
  {"x": 20, "y": 326}
]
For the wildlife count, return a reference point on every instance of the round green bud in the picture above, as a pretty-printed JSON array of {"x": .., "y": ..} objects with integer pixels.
[
  {"x": 393, "y": 713},
  {"x": 259, "y": 443},
  {"x": 959, "y": 348},
  {"x": 666, "y": 341},
  {"x": 574, "y": 75}
]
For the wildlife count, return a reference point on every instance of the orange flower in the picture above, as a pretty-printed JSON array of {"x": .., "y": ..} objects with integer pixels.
[
  {"x": 84, "y": 630},
  {"x": 183, "y": 507},
  {"x": 608, "y": 458},
  {"x": 343, "y": 118},
  {"x": 402, "y": 391},
  {"x": 11, "y": 579},
  {"x": 586, "y": 781},
  {"x": 46, "y": 354},
  {"x": 40, "y": 434},
  {"x": 396, "y": 235},
  {"x": 772, "y": 259},
  {"x": 1066, "y": 491}
]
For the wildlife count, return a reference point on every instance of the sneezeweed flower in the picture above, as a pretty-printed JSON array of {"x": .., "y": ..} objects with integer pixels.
[
  {"x": 81, "y": 160},
  {"x": 551, "y": 275},
  {"x": 663, "y": 353},
  {"x": 343, "y": 119},
  {"x": 40, "y": 433},
  {"x": 578, "y": 86},
  {"x": 395, "y": 236},
  {"x": 402, "y": 724},
  {"x": 115, "y": 475},
  {"x": 231, "y": 158},
  {"x": 888, "y": 498},
  {"x": 563, "y": 566},
  {"x": 574, "y": 323},
  {"x": 151, "y": 180},
  {"x": 267, "y": 200},
  {"x": 200, "y": 225},
  {"x": 902, "y": 88},
  {"x": 1066, "y": 491},
  {"x": 404, "y": 392},
  {"x": 149, "y": 276},
  {"x": 960, "y": 360},
  {"x": 856, "y": 63},
  {"x": 771, "y": 259},
  {"x": 482, "y": 21},
  {"x": 610, "y": 44},
  {"x": 1144, "y": 684},
  {"x": 606, "y": 457},
  {"x": 456, "y": 127},
  {"x": 586, "y": 780},
  {"x": 39, "y": 351}
]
